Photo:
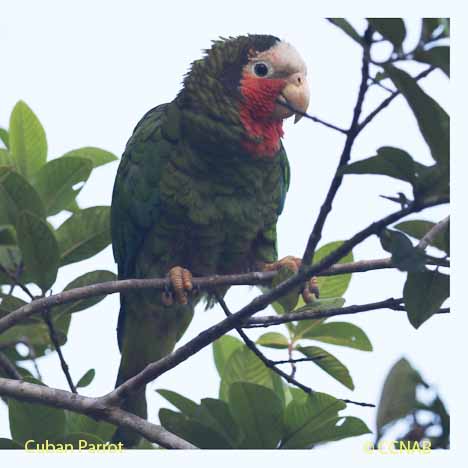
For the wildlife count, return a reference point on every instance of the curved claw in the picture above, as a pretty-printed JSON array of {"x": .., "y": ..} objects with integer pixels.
[
  {"x": 311, "y": 290},
  {"x": 181, "y": 282}
]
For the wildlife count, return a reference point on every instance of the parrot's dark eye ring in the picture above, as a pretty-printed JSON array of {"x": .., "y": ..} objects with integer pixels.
[{"x": 261, "y": 69}]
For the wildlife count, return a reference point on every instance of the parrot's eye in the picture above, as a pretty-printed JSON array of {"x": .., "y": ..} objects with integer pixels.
[{"x": 261, "y": 69}]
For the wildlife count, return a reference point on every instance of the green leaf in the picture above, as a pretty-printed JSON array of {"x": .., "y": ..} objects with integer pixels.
[
  {"x": 336, "y": 285},
  {"x": 55, "y": 181},
  {"x": 304, "y": 419},
  {"x": 93, "y": 277},
  {"x": 16, "y": 195},
  {"x": 341, "y": 334},
  {"x": 431, "y": 180},
  {"x": 244, "y": 366},
  {"x": 4, "y": 137},
  {"x": 273, "y": 340},
  {"x": 258, "y": 411},
  {"x": 346, "y": 28},
  {"x": 392, "y": 29},
  {"x": 5, "y": 159},
  {"x": 432, "y": 120},
  {"x": 389, "y": 161},
  {"x": 437, "y": 56},
  {"x": 222, "y": 349},
  {"x": 191, "y": 430},
  {"x": 35, "y": 421},
  {"x": 84, "y": 424},
  {"x": 398, "y": 397},
  {"x": 7, "y": 235},
  {"x": 329, "y": 363},
  {"x": 419, "y": 228},
  {"x": 9, "y": 444},
  {"x": 86, "y": 379},
  {"x": 404, "y": 256},
  {"x": 424, "y": 293},
  {"x": 28, "y": 144},
  {"x": 39, "y": 249},
  {"x": 183, "y": 404},
  {"x": 289, "y": 300},
  {"x": 217, "y": 415},
  {"x": 97, "y": 156},
  {"x": 84, "y": 234}
]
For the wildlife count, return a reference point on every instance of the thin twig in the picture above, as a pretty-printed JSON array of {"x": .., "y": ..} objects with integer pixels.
[
  {"x": 380, "y": 85},
  {"x": 351, "y": 135},
  {"x": 9, "y": 368},
  {"x": 388, "y": 100},
  {"x": 253, "y": 347},
  {"x": 15, "y": 282},
  {"x": 57, "y": 347},
  {"x": 294, "y": 361},
  {"x": 311, "y": 117}
]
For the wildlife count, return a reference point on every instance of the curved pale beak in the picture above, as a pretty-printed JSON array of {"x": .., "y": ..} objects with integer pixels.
[{"x": 294, "y": 98}]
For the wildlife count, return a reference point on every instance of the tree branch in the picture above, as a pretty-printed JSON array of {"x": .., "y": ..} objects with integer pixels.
[
  {"x": 209, "y": 282},
  {"x": 351, "y": 135},
  {"x": 93, "y": 407},
  {"x": 9, "y": 368},
  {"x": 57, "y": 347},
  {"x": 429, "y": 237}
]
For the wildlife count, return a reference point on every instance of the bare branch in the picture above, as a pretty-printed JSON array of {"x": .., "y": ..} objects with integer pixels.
[
  {"x": 433, "y": 233},
  {"x": 56, "y": 343},
  {"x": 93, "y": 407},
  {"x": 351, "y": 135},
  {"x": 209, "y": 282},
  {"x": 9, "y": 368}
]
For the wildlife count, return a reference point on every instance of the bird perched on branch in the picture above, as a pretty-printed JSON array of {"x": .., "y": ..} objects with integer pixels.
[{"x": 199, "y": 190}]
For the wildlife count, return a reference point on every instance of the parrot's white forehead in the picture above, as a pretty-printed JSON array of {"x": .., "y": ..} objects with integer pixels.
[{"x": 283, "y": 56}]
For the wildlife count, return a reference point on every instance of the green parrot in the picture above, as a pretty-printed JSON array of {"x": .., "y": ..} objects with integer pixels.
[{"x": 199, "y": 190}]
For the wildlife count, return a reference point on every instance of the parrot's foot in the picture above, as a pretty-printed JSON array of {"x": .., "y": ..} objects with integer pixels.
[
  {"x": 181, "y": 282},
  {"x": 311, "y": 290}
]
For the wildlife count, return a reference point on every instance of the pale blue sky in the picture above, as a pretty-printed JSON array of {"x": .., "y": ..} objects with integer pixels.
[{"x": 91, "y": 70}]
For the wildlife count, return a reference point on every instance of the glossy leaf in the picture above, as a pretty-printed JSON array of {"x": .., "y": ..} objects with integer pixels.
[
  {"x": 418, "y": 229},
  {"x": 85, "y": 424},
  {"x": 183, "y": 404},
  {"x": 93, "y": 277},
  {"x": 273, "y": 340},
  {"x": 288, "y": 301},
  {"x": 332, "y": 286},
  {"x": 97, "y": 156},
  {"x": 55, "y": 181},
  {"x": 244, "y": 366},
  {"x": 84, "y": 234},
  {"x": 258, "y": 412},
  {"x": 437, "y": 56},
  {"x": 346, "y": 27},
  {"x": 404, "y": 256},
  {"x": 87, "y": 378},
  {"x": 9, "y": 444},
  {"x": 39, "y": 249},
  {"x": 17, "y": 195},
  {"x": 389, "y": 161},
  {"x": 432, "y": 119},
  {"x": 329, "y": 363},
  {"x": 398, "y": 397},
  {"x": 5, "y": 159},
  {"x": 304, "y": 418},
  {"x": 191, "y": 430},
  {"x": 28, "y": 144},
  {"x": 4, "y": 137},
  {"x": 222, "y": 349},
  {"x": 424, "y": 293},
  {"x": 341, "y": 334},
  {"x": 392, "y": 29},
  {"x": 35, "y": 421}
]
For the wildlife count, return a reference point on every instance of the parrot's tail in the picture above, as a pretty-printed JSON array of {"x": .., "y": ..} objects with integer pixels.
[
  {"x": 147, "y": 332},
  {"x": 136, "y": 404}
]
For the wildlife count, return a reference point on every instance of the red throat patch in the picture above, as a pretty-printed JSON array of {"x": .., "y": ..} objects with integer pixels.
[{"x": 259, "y": 100}]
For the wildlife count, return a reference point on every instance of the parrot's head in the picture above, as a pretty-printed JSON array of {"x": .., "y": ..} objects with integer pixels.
[{"x": 243, "y": 89}]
